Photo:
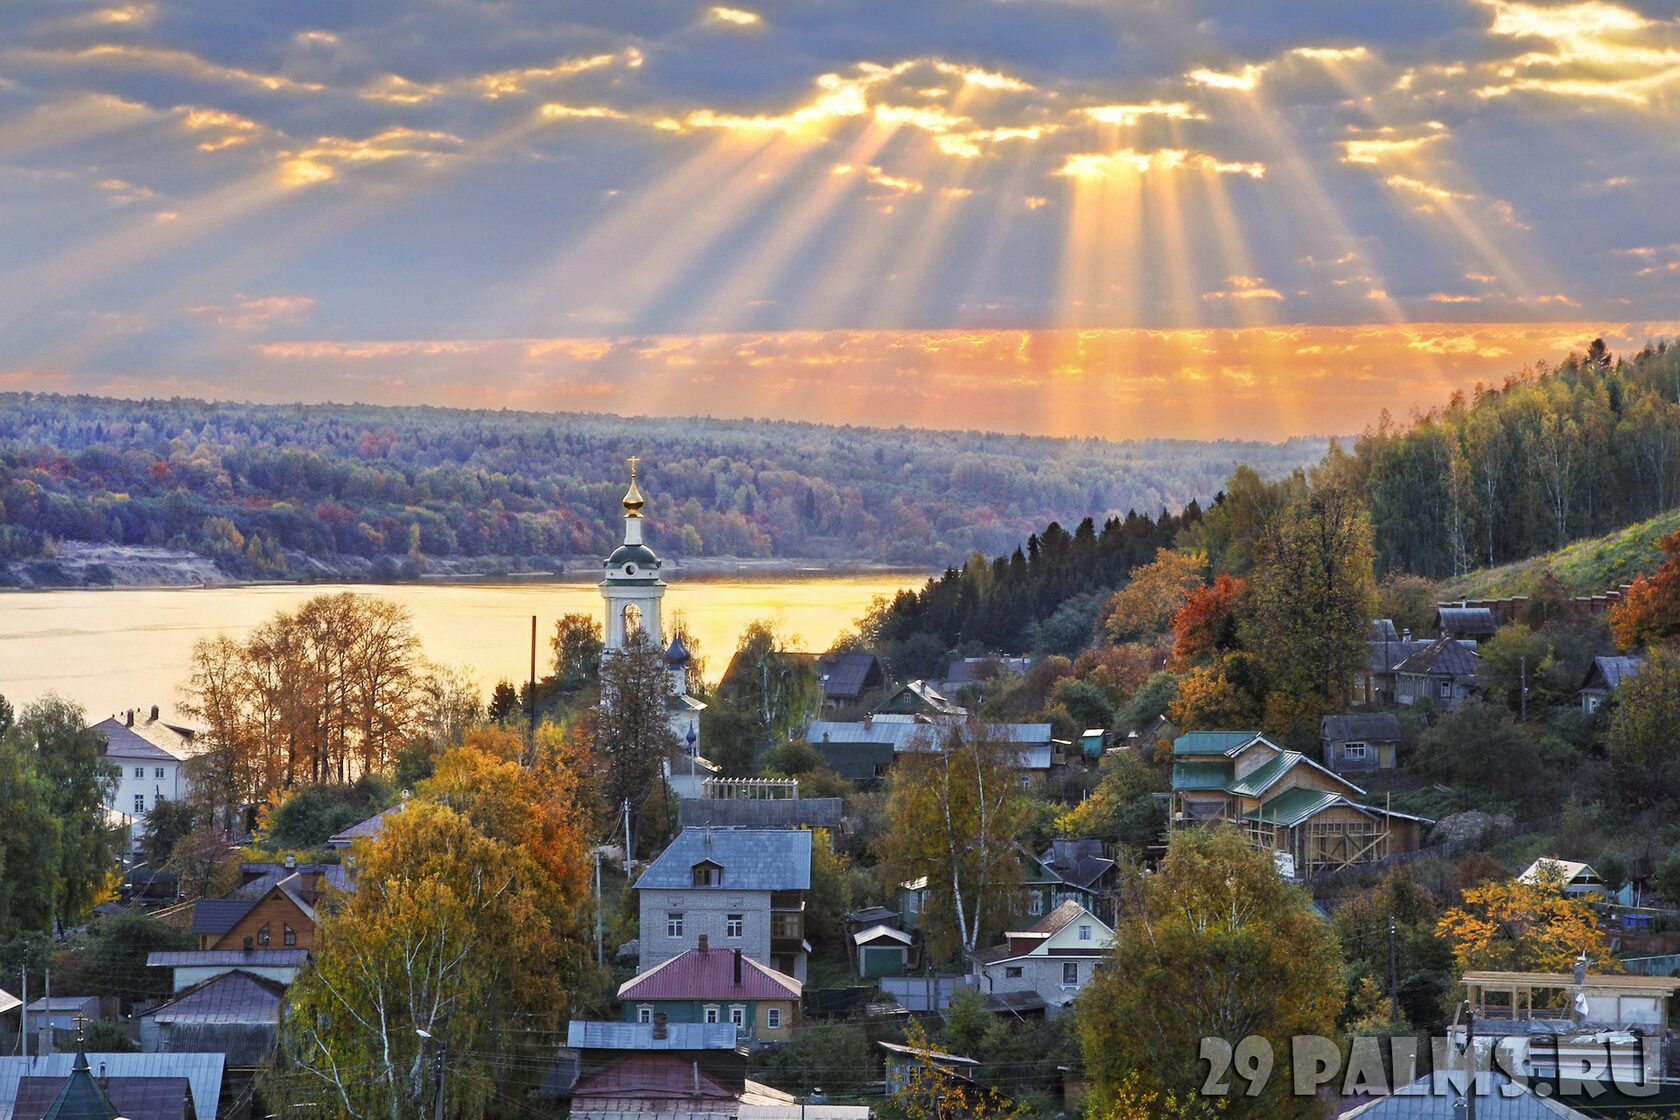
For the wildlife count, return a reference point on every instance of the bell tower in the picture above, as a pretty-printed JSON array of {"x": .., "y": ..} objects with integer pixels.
[{"x": 631, "y": 585}]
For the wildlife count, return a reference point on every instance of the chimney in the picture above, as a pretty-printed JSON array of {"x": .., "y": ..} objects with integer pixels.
[
  {"x": 249, "y": 944},
  {"x": 869, "y": 721},
  {"x": 154, "y": 713},
  {"x": 1406, "y": 635},
  {"x": 291, "y": 862},
  {"x": 737, "y": 968},
  {"x": 660, "y": 1030},
  {"x": 128, "y": 720},
  {"x": 705, "y": 944}
]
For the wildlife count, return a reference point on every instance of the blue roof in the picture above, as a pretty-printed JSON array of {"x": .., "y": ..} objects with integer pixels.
[{"x": 752, "y": 859}]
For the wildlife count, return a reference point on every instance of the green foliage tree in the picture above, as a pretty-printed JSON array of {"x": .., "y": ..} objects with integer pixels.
[
  {"x": 1512, "y": 656},
  {"x": 31, "y": 835},
  {"x": 633, "y": 736},
  {"x": 577, "y": 646},
  {"x": 165, "y": 825},
  {"x": 1481, "y": 748},
  {"x": 767, "y": 683},
  {"x": 1423, "y": 958},
  {"x": 113, "y": 960},
  {"x": 1124, "y": 806},
  {"x": 1216, "y": 945},
  {"x": 1643, "y": 741},
  {"x": 1312, "y": 594}
]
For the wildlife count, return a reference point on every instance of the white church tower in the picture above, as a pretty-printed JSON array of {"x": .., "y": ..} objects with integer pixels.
[{"x": 634, "y": 594}]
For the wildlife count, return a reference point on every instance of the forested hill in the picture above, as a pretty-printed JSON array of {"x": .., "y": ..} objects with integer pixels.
[
  {"x": 262, "y": 489},
  {"x": 1548, "y": 457}
]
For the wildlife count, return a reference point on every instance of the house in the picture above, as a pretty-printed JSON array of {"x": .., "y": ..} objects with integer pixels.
[
  {"x": 863, "y": 750},
  {"x": 364, "y": 830},
  {"x": 1554, "y": 1022},
  {"x": 1382, "y": 630},
  {"x": 131, "y": 1084},
  {"x": 1287, "y": 804},
  {"x": 61, "y": 1013},
  {"x": 1577, "y": 879},
  {"x": 1082, "y": 866},
  {"x": 82, "y": 1096},
  {"x": 970, "y": 671},
  {"x": 848, "y": 678},
  {"x": 278, "y": 918},
  {"x": 706, "y": 985},
  {"x": 1162, "y": 730},
  {"x": 1043, "y": 967},
  {"x": 672, "y": 1071},
  {"x": 1604, "y": 679},
  {"x": 1376, "y": 684},
  {"x": 1437, "y": 1097},
  {"x": 902, "y": 1062},
  {"x": 258, "y": 878},
  {"x": 919, "y": 698},
  {"x": 913, "y": 901},
  {"x": 150, "y": 756},
  {"x": 194, "y": 966},
  {"x": 1443, "y": 672},
  {"x": 1042, "y": 888},
  {"x": 742, "y": 888},
  {"x": 883, "y": 950},
  {"x": 1462, "y": 621},
  {"x": 1360, "y": 742},
  {"x": 234, "y": 1013}
]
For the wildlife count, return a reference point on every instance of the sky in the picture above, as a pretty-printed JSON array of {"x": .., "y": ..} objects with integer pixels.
[{"x": 1119, "y": 218}]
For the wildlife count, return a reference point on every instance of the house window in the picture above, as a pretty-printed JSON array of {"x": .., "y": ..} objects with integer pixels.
[
  {"x": 1084, "y": 933},
  {"x": 1446, "y": 687},
  {"x": 139, "y": 771},
  {"x": 263, "y": 935},
  {"x": 1035, "y": 904},
  {"x": 708, "y": 875},
  {"x": 288, "y": 935},
  {"x": 712, "y": 1014},
  {"x": 673, "y": 925},
  {"x": 139, "y": 804},
  {"x": 1355, "y": 750},
  {"x": 158, "y": 773},
  {"x": 1070, "y": 974},
  {"x": 644, "y": 1013},
  {"x": 733, "y": 925},
  {"x": 738, "y": 1015},
  {"x": 1026, "y": 781},
  {"x": 1012, "y": 972},
  {"x": 773, "y": 1018}
]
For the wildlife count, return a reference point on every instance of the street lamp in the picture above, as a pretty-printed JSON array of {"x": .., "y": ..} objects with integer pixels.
[{"x": 437, "y": 1070}]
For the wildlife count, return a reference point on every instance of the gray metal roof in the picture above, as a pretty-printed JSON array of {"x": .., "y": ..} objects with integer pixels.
[
  {"x": 752, "y": 859},
  {"x": 367, "y": 829},
  {"x": 1431, "y": 1098},
  {"x": 1382, "y": 629},
  {"x": 232, "y": 998},
  {"x": 1443, "y": 657},
  {"x": 747, "y": 812},
  {"x": 1378, "y": 727},
  {"x": 1610, "y": 672},
  {"x": 132, "y": 1098},
  {"x": 1384, "y": 656},
  {"x": 122, "y": 741},
  {"x": 1466, "y": 622},
  {"x": 901, "y": 734},
  {"x": 228, "y": 958},
  {"x": 61, "y": 1003},
  {"x": 218, "y": 915},
  {"x": 202, "y": 1071},
  {"x": 597, "y": 1035},
  {"x": 845, "y": 676}
]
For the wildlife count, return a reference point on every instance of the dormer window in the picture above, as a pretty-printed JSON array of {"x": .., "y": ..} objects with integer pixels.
[
  {"x": 708, "y": 874},
  {"x": 1084, "y": 933}
]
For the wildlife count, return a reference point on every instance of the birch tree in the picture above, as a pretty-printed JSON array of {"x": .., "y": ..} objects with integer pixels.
[{"x": 955, "y": 809}]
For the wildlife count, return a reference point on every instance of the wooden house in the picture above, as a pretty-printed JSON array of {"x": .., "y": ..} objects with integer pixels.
[
  {"x": 919, "y": 698},
  {"x": 279, "y": 918},
  {"x": 1604, "y": 679},
  {"x": 1285, "y": 802},
  {"x": 1443, "y": 673},
  {"x": 706, "y": 985},
  {"x": 902, "y": 1062},
  {"x": 1360, "y": 742}
]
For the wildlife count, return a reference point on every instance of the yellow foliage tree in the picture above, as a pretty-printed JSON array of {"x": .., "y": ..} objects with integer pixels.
[
  {"x": 1157, "y": 591},
  {"x": 1524, "y": 927}
]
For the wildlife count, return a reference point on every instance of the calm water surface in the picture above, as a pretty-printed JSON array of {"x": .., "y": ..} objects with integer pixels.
[{"x": 116, "y": 649}]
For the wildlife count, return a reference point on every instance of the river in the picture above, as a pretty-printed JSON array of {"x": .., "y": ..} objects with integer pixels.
[{"x": 124, "y": 648}]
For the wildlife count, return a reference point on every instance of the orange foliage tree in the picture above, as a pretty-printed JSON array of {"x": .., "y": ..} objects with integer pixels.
[
  {"x": 1208, "y": 621},
  {"x": 1650, "y": 612}
]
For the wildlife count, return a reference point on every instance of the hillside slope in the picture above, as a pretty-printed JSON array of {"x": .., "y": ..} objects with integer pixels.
[{"x": 1586, "y": 567}]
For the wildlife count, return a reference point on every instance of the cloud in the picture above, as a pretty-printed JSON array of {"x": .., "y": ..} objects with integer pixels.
[
  {"x": 1247, "y": 78},
  {"x": 249, "y": 313},
  {"x": 1126, "y": 115},
  {"x": 1108, "y": 165},
  {"x": 733, "y": 17},
  {"x": 328, "y": 155},
  {"x": 1244, "y": 288}
]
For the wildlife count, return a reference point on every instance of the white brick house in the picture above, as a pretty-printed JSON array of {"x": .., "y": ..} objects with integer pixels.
[
  {"x": 149, "y": 755},
  {"x": 1046, "y": 965}
]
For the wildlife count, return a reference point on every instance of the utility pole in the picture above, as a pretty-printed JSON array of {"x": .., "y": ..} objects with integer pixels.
[
  {"x": 1393, "y": 975},
  {"x": 600, "y": 951},
  {"x": 531, "y": 727},
  {"x": 1522, "y": 691},
  {"x": 23, "y": 1035},
  {"x": 629, "y": 852},
  {"x": 437, "y": 1070}
]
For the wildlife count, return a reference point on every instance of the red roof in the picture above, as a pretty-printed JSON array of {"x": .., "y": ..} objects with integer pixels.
[
  {"x": 710, "y": 974},
  {"x": 651, "y": 1077}
]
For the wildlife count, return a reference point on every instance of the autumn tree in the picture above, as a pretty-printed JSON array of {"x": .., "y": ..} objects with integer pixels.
[
  {"x": 1153, "y": 596},
  {"x": 1311, "y": 597},
  {"x": 1207, "y": 623},
  {"x": 1423, "y": 958},
  {"x": 1512, "y": 926},
  {"x": 955, "y": 808},
  {"x": 633, "y": 735},
  {"x": 1643, "y": 742},
  {"x": 1224, "y": 694},
  {"x": 1215, "y": 945},
  {"x": 1650, "y": 611},
  {"x": 1124, "y": 807},
  {"x": 464, "y": 935},
  {"x": 577, "y": 647},
  {"x": 1514, "y": 658}
]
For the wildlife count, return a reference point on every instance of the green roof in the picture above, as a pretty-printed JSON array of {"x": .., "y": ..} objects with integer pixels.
[
  {"x": 1254, "y": 783},
  {"x": 1210, "y": 742},
  {"x": 1201, "y": 774},
  {"x": 1293, "y": 806}
]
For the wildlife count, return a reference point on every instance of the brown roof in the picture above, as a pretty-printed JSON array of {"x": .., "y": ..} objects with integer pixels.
[{"x": 1057, "y": 918}]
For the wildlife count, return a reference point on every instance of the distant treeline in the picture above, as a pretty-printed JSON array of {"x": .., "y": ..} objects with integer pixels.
[
  {"x": 1548, "y": 457},
  {"x": 250, "y": 484}
]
